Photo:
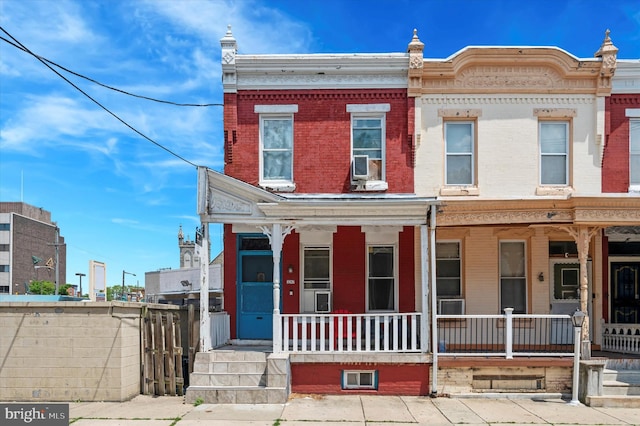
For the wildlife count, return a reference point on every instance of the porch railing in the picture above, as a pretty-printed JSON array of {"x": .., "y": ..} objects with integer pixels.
[
  {"x": 505, "y": 335},
  {"x": 346, "y": 332},
  {"x": 623, "y": 338}
]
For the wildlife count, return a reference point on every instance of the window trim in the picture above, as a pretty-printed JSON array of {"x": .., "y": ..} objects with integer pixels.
[
  {"x": 474, "y": 152},
  {"x": 461, "y": 270},
  {"x": 374, "y": 379},
  {"x": 377, "y": 112},
  {"x": 302, "y": 290},
  {"x": 279, "y": 184},
  {"x": 525, "y": 277},
  {"x": 568, "y": 152},
  {"x": 395, "y": 278},
  {"x": 634, "y": 186}
]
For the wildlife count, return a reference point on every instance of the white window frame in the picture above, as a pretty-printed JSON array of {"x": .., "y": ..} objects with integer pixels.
[
  {"x": 525, "y": 277},
  {"x": 370, "y": 112},
  {"x": 358, "y": 374},
  {"x": 471, "y": 154},
  {"x": 311, "y": 293},
  {"x": 276, "y": 112},
  {"x": 634, "y": 153},
  {"x": 566, "y": 153},
  {"x": 459, "y": 243},
  {"x": 395, "y": 277}
]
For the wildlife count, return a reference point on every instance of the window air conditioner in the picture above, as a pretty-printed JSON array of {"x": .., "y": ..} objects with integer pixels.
[
  {"x": 360, "y": 167},
  {"x": 323, "y": 301},
  {"x": 451, "y": 306}
]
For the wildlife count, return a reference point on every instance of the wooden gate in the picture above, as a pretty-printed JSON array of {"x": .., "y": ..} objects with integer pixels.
[{"x": 162, "y": 345}]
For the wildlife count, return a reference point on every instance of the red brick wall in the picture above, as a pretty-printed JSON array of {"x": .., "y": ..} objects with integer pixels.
[
  {"x": 615, "y": 160},
  {"x": 349, "y": 271},
  {"x": 393, "y": 379},
  {"x": 322, "y": 141},
  {"x": 230, "y": 272}
]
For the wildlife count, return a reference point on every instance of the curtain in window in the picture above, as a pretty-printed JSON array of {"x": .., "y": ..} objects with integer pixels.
[
  {"x": 459, "y": 147},
  {"x": 553, "y": 150},
  {"x": 277, "y": 141}
]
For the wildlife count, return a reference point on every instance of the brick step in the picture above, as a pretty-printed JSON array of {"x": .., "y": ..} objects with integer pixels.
[
  {"x": 227, "y": 379},
  {"x": 238, "y": 367},
  {"x": 614, "y": 387},
  {"x": 236, "y": 395},
  {"x": 628, "y": 376},
  {"x": 617, "y": 401},
  {"x": 230, "y": 355}
]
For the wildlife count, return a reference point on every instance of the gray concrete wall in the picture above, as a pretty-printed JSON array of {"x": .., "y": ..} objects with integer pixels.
[{"x": 71, "y": 351}]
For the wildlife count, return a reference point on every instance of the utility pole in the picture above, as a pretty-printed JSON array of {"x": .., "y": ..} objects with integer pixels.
[{"x": 57, "y": 244}]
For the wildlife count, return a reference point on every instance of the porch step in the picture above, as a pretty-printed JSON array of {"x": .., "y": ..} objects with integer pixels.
[
  {"x": 614, "y": 401},
  {"x": 621, "y": 382},
  {"x": 239, "y": 377}
]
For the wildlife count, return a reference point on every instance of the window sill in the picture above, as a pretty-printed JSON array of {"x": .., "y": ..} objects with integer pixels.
[
  {"x": 278, "y": 187},
  {"x": 369, "y": 185},
  {"x": 554, "y": 190},
  {"x": 458, "y": 191}
]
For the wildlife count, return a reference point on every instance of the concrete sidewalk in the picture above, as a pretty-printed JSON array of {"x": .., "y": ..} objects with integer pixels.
[{"x": 349, "y": 410}]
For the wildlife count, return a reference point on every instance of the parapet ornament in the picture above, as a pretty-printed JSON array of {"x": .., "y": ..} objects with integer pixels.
[{"x": 608, "y": 52}]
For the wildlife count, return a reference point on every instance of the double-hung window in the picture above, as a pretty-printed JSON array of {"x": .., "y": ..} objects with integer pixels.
[
  {"x": 554, "y": 153},
  {"x": 276, "y": 145},
  {"x": 634, "y": 153},
  {"x": 459, "y": 152},
  {"x": 316, "y": 279},
  {"x": 368, "y": 140},
  {"x": 448, "y": 267},
  {"x": 381, "y": 279},
  {"x": 513, "y": 278}
]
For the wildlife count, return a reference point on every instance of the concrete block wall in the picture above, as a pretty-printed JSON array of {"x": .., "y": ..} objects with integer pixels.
[{"x": 70, "y": 351}]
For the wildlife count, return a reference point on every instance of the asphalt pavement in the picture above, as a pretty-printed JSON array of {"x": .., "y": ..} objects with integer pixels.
[{"x": 349, "y": 410}]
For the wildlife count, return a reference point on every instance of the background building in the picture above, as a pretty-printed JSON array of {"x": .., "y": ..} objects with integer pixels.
[{"x": 31, "y": 248}]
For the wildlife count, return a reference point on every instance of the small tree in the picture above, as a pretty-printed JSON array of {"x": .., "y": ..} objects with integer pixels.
[{"x": 42, "y": 287}]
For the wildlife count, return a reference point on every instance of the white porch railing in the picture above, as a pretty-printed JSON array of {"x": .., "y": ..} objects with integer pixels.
[
  {"x": 505, "y": 335},
  {"x": 343, "y": 332},
  {"x": 623, "y": 338}
]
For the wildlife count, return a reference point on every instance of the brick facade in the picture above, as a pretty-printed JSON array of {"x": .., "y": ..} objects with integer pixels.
[{"x": 615, "y": 161}]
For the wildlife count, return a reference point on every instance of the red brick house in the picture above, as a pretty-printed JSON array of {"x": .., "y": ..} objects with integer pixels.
[
  {"x": 318, "y": 180},
  {"x": 621, "y": 178}
]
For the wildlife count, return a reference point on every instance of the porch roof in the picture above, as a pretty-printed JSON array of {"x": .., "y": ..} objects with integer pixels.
[{"x": 224, "y": 199}]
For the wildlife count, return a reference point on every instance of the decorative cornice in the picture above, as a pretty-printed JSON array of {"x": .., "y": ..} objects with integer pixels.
[
  {"x": 511, "y": 70},
  {"x": 328, "y": 96},
  {"x": 320, "y": 81},
  {"x": 498, "y": 100},
  {"x": 600, "y": 211}
]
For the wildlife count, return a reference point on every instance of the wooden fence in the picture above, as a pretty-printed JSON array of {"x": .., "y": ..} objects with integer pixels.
[{"x": 162, "y": 345}]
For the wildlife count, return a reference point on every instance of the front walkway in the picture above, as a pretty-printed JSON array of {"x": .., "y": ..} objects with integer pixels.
[{"x": 352, "y": 410}]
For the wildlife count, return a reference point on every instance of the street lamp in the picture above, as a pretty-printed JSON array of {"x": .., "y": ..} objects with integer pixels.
[
  {"x": 80, "y": 274},
  {"x": 576, "y": 320},
  {"x": 123, "y": 274}
]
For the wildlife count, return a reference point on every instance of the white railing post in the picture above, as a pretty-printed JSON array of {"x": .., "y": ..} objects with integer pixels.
[{"x": 508, "y": 331}]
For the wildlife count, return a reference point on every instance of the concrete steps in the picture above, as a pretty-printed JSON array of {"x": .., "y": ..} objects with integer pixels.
[
  {"x": 620, "y": 385},
  {"x": 239, "y": 377}
]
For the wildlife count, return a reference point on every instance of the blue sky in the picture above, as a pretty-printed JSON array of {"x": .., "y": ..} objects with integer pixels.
[{"x": 119, "y": 198}]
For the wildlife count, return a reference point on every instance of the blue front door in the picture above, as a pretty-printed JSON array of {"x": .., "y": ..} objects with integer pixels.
[{"x": 255, "y": 288}]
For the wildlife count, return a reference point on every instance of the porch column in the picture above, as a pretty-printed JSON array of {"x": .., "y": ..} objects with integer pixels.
[
  {"x": 434, "y": 302},
  {"x": 582, "y": 235},
  {"x": 202, "y": 252},
  {"x": 276, "y": 237}
]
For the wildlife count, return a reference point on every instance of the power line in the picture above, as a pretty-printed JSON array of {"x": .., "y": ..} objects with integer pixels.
[
  {"x": 42, "y": 58},
  {"x": 98, "y": 103}
]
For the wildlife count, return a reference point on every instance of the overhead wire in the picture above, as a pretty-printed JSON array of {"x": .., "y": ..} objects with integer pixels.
[
  {"x": 42, "y": 58},
  {"x": 25, "y": 49}
]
